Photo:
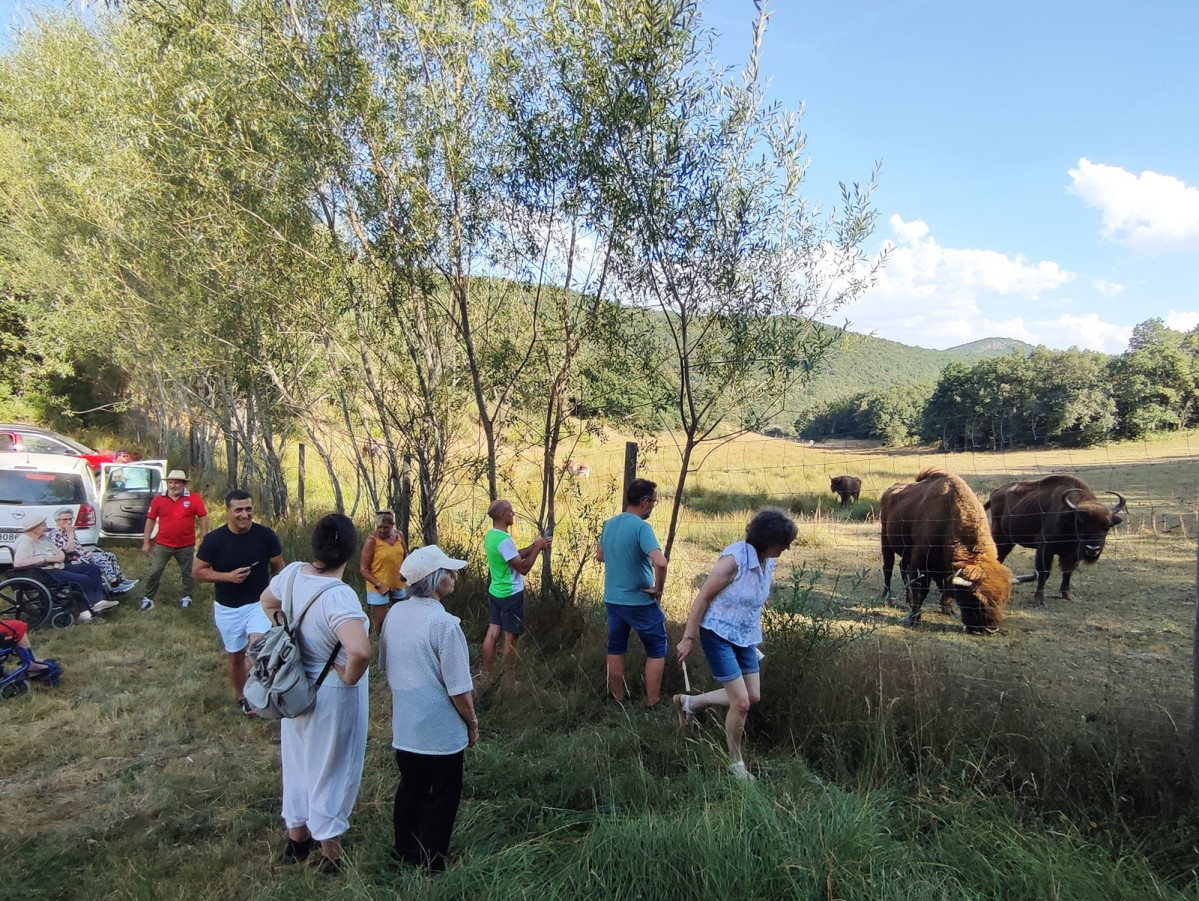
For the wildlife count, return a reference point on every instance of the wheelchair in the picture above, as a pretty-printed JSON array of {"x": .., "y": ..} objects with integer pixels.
[
  {"x": 15, "y": 663},
  {"x": 35, "y": 597}
]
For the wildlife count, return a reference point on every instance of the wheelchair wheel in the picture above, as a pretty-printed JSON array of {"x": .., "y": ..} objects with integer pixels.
[
  {"x": 14, "y": 689},
  {"x": 61, "y": 619},
  {"x": 25, "y": 599}
]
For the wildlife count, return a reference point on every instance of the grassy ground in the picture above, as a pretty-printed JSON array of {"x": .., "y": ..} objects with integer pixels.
[{"x": 1042, "y": 763}]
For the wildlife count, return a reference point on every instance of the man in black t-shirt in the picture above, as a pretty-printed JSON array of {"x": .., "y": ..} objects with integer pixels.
[{"x": 239, "y": 559}]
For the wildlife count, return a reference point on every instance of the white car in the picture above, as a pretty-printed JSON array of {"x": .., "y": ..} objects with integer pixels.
[{"x": 39, "y": 485}]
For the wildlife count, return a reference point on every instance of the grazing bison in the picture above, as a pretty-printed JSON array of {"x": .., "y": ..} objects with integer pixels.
[
  {"x": 848, "y": 487},
  {"x": 939, "y": 530},
  {"x": 1057, "y": 516}
]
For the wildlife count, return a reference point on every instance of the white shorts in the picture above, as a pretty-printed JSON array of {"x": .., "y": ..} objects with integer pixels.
[{"x": 236, "y": 623}]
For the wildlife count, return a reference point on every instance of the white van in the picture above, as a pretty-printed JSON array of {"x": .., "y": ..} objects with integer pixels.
[{"x": 39, "y": 485}]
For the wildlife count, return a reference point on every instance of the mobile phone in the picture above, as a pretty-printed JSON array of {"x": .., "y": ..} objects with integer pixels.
[{"x": 255, "y": 563}]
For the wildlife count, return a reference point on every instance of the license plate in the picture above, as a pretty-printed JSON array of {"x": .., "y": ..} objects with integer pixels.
[{"x": 9, "y": 537}]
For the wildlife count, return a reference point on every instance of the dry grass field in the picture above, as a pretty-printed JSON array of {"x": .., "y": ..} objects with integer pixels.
[
  {"x": 1121, "y": 644},
  {"x": 137, "y": 778}
]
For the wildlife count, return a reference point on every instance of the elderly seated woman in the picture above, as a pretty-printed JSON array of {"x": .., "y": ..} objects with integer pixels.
[
  {"x": 34, "y": 549},
  {"x": 63, "y": 536}
]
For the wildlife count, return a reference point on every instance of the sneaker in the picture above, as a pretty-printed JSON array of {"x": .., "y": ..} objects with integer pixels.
[
  {"x": 84, "y": 616},
  {"x": 123, "y": 587},
  {"x": 620, "y": 703},
  {"x": 101, "y": 606},
  {"x": 185, "y": 602},
  {"x": 145, "y": 604},
  {"x": 738, "y": 771}
]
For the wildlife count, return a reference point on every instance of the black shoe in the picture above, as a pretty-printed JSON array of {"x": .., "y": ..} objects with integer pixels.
[
  {"x": 298, "y": 851},
  {"x": 329, "y": 865},
  {"x": 621, "y": 703}
]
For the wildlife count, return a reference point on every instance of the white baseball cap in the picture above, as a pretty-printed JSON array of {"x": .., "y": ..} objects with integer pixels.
[{"x": 426, "y": 560}]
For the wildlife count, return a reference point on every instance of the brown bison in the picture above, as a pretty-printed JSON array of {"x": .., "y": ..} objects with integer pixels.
[
  {"x": 848, "y": 487},
  {"x": 1057, "y": 516},
  {"x": 939, "y": 530}
]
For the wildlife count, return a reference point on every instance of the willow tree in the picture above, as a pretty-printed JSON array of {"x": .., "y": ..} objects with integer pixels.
[{"x": 713, "y": 235}]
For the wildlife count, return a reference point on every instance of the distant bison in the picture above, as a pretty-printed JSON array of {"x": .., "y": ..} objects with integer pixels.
[
  {"x": 938, "y": 528},
  {"x": 848, "y": 487},
  {"x": 1057, "y": 516}
]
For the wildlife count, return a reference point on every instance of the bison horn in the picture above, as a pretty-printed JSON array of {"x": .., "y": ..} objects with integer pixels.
[
  {"x": 1066, "y": 497},
  {"x": 1120, "y": 505}
]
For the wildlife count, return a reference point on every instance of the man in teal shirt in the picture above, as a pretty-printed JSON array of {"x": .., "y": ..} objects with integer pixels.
[
  {"x": 506, "y": 594},
  {"x": 634, "y": 575}
]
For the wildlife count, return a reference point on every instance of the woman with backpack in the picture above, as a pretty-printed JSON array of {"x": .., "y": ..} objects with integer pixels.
[{"x": 323, "y": 750}]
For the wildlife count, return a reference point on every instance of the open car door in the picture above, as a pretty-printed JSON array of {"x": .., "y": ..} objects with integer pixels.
[{"x": 126, "y": 490}]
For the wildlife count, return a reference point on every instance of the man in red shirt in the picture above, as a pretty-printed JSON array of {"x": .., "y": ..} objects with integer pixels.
[{"x": 176, "y": 513}]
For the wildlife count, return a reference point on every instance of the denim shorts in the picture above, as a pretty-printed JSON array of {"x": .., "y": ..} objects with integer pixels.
[
  {"x": 647, "y": 619},
  {"x": 507, "y": 613},
  {"x": 374, "y": 599},
  {"x": 727, "y": 660}
]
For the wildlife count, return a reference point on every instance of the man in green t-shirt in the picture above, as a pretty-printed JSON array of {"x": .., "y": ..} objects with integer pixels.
[{"x": 506, "y": 594}]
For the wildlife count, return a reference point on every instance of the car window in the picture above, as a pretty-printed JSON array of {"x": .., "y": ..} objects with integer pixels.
[
  {"x": 41, "y": 488},
  {"x": 7, "y": 445},
  {"x": 40, "y": 444},
  {"x": 133, "y": 478}
]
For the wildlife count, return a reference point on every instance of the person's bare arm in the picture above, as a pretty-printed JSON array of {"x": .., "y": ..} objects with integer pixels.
[
  {"x": 357, "y": 644},
  {"x": 270, "y": 604},
  {"x": 150, "y": 519},
  {"x": 276, "y": 564},
  {"x": 203, "y": 521},
  {"x": 202, "y": 571},
  {"x": 718, "y": 580},
  {"x": 658, "y": 560},
  {"x": 364, "y": 565},
  {"x": 465, "y": 705},
  {"x": 527, "y": 556}
]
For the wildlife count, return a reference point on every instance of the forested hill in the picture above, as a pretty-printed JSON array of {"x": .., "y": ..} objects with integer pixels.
[{"x": 863, "y": 363}]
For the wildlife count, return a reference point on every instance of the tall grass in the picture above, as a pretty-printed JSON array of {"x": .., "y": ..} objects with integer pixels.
[{"x": 885, "y": 769}]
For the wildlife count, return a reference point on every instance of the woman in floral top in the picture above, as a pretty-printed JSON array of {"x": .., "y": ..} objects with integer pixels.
[
  {"x": 726, "y": 618},
  {"x": 63, "y": 536}
]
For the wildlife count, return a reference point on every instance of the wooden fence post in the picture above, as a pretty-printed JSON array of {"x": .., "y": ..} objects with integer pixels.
[
  {"x": 300, "y": 481},
  {"x": 630, "y": 470},
  {"x": 404, "y": 514}
]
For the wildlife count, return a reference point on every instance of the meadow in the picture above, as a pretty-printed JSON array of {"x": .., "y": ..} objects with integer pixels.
[{"x": 1048, "y": 761}]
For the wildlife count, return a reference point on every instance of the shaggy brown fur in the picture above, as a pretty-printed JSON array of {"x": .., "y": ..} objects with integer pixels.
[
  {"x": 1058, "y": 516},
  {"x": 846, "y": 487},
  {"x": 938, "y": 528}
]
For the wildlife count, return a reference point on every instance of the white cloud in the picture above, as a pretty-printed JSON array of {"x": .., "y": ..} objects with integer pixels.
[
  {"x": 1181, "y": 322},
  {"x": 1107, "y": 289},
  {"x": 934, "y": 296},
  {"x": 1150, "y": 212}
]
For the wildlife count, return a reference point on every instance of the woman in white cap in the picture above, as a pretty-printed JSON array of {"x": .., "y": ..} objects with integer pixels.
[{"x": 424, "y": 655}]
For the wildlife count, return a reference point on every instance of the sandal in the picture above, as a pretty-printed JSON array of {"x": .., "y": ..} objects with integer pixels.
[
  {"x": 686, "y": 714},
  {"x": 738, "y": 771},
  {"x": 50, "y": 672}
]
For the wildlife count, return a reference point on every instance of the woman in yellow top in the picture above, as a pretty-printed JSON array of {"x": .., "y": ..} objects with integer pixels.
[{"x": 382, "y": 553}]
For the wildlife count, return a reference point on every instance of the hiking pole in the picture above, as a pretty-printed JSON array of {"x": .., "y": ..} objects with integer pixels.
[{"x": 686, "y": 678}]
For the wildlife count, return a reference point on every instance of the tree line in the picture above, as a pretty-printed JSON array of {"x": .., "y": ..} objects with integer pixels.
[
  {"x": 1070, "y": 398},
  {"x": 439, "y": 232}
]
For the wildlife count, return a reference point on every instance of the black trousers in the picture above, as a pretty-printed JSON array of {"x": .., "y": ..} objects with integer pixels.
[{"x": 426, "y": 805}]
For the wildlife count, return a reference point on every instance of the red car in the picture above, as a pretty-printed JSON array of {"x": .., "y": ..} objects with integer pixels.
[{"x": 32, "y": 439}]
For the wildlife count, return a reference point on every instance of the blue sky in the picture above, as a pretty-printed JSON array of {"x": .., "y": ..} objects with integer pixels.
[
  {"x": 1040, "y": 159},
  {"x": 1040, "y": 165}
]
